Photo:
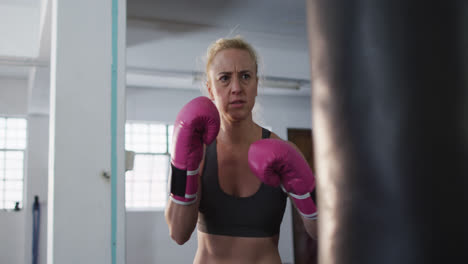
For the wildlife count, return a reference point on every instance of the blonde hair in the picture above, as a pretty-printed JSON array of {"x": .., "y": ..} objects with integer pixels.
[{"x": 229, "y": 43}]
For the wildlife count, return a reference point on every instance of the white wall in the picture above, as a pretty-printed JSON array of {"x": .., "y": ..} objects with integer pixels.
[
  {"x": 12, "y": 237},
  {"x": 148, "y": 238},
  {"x": 13, "y": 96},
  {"x": 23, "y": 37},
  {"x": 283, "y": 112}
]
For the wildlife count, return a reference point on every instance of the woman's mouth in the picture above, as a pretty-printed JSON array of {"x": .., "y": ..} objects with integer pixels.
[{"x": 237, "y": 103}]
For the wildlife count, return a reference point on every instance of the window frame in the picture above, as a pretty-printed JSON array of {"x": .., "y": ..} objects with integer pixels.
[
  {"x": 24, "y": 152},
  {"x": 168, "y": 136}
]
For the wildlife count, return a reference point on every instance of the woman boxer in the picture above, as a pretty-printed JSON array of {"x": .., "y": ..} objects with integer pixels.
[{"x": 238, "y": 212}]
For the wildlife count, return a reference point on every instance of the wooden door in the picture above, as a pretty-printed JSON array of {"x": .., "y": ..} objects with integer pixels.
[{"x": 305, "y": 248}]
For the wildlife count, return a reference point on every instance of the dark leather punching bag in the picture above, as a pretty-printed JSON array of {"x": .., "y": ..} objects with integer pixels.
[{"x": 390, "y": 119}]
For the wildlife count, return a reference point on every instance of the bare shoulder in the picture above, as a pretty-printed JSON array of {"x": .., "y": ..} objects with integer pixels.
[{"x": 273, "y": 135}]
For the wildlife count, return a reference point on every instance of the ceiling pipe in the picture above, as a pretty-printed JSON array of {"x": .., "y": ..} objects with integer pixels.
[
  {"x": 199, "y": 77},
  {"x": 22, "y": 62}
]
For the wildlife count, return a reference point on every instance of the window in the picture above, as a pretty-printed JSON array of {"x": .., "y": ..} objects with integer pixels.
[
  {"x": 146, "y": 184},
  {"x": 12, "y": 149}
]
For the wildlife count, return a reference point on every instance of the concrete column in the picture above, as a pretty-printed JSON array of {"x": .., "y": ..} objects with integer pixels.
[{"x": 79, "y": 200}]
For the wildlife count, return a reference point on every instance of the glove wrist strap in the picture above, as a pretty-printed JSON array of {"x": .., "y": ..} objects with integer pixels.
[
  {"x": 305, "y": 203},
  {"x": 184, "y": 185}
]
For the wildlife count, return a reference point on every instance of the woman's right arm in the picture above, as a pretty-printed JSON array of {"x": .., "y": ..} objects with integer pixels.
[
  {"x": 196, "y": 124},
  {"x": 182, "y": 219}
]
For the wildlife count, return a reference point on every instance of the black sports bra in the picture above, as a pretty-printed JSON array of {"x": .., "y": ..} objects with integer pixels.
[{"x": 259, "y": 215}]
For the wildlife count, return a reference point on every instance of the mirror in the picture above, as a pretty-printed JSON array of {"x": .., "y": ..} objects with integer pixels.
[
  {"x": 166, "y": 42},
  {"x": 166, "y": 45}
]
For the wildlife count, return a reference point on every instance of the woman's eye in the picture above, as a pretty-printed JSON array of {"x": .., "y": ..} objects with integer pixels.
[
  {"x": 245, "y": 76},
  {"x": 223, "y": 78}
]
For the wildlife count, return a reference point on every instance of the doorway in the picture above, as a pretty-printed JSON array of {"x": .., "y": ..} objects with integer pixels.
[{"x": 305, "y": 248}]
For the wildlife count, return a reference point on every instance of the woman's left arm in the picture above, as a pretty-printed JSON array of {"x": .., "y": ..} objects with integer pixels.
[
  {"x": 311, "y": 227},
  {"x": 305, "y": 202},
  {"x": 309, "y": 224}
]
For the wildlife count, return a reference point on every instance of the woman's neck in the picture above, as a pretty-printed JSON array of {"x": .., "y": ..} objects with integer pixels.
[{"x": 237, "y": 131}]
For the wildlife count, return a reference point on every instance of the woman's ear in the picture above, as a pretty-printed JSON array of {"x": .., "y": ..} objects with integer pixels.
[
  {"x": 210, "y": 92},
  {"x": 256, "y": 85}
]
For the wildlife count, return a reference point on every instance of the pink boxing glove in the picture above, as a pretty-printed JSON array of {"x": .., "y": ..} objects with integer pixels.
[
  {"x": 276, "y": 162},
  {"x": 197, "y": 123}
]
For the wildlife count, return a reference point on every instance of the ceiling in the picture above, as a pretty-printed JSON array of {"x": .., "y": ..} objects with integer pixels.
[
  {"x": 158, "y": 32},
  {"x": 280, "y": 18},
  {"x": 285, "y": 17}
]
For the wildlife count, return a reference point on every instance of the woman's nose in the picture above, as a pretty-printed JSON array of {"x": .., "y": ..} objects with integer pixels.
[{"x": 236, "y": 86}]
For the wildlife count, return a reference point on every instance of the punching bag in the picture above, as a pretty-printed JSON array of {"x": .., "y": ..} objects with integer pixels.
[{"x": 390, "y": 119}]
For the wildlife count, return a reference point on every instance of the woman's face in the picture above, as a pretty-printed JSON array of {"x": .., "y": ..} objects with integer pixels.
[{"x": 233, "y": 83}]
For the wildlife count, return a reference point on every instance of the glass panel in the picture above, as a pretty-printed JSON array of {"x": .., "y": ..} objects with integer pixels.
[
  {"x": 9, "y": 205},
  {"x": 14, "y": 156},
  {"x": 170, "y": 131},
  {"x": 13, "y": 186},
  {"x": 137, "y": 138},
  {"x": 146, "y": 184},
  {"x": 2, "y": 162},
  {"x": 158, "y": 194},
  {"x": 12, "y": 193},
  {"x": 16, "y": 123},
  {"x": 13, "y": 174},
  {"x": 157, "y": 143},
  {"x": 15, "y": 133},
  {"x": 157, "y": 138},
  {"x": 13, "y": 196},
  {"x": 13, "y": 165},
  {"x": 2, "y": 132},
  {"x": 143, "y": 167}
]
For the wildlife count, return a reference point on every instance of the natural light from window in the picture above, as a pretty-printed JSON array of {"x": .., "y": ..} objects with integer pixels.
[
  {"x": 146, "y": 184},
  {"x": 12, "y": 149}
]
